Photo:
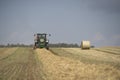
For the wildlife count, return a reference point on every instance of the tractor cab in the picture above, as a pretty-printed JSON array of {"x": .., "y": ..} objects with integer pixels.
[{"x": 41, "y": 41}]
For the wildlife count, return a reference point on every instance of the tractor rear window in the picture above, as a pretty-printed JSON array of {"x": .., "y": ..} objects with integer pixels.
[{"x": 41, "y": 35}]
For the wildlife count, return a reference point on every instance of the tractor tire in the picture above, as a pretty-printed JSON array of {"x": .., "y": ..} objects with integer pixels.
[{"x": 47, "y": 48}]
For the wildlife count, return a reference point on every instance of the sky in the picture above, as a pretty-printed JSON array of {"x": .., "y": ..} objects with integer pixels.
[{"x": 68, "y": 21}]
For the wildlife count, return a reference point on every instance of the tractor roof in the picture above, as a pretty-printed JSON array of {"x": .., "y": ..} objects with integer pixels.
[{"x": 41, "y": 34}]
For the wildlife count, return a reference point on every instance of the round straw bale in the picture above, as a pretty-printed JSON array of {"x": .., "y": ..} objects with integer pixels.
[{"x": 85, "y": 44}]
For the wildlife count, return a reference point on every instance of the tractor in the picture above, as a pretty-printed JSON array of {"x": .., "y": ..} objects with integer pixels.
[{"x": 41, "y": 41}]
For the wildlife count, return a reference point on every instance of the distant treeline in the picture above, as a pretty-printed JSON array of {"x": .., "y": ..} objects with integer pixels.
[
  {"x": 50, "y": 45},
  {"x": 67, "y": 45},
  {"x": 16, "y": 45},
  {"x": 63, "y": 45}
]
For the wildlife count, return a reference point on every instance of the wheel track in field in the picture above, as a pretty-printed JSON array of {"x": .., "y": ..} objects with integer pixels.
[
  {"x": 23, "y": 65},
  {"x": 62, "y": 68},
  {"x": 9, "y": 72},
  {"x": 2, "y": 50},
  {"x": 113, "y": 49},
  {"x": 88, "y": 56},
  {"x": 12, "y": 73},
  {"x": 7, "y": 53},
  {"x": 41, "y": 64},
  {"x": 108, "y": 51}
]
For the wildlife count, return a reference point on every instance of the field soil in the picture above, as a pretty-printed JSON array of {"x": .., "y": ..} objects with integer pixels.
[{"x": 60, "y": 64}]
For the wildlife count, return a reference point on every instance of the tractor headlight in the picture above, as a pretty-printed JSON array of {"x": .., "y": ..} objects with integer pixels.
[{"x": 41, "y": 40}]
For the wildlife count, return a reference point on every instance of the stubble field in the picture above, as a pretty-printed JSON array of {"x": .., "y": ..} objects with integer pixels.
[{"x": 22, "y": 63}]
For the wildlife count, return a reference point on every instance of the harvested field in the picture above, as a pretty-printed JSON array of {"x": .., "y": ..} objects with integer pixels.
[
  {"x": 65, "y": 68},
  {"x": 21, "y": 65},
  {"x": 92, "y": 56},
  {"x": 59, "y": 64},
  {"x": 111, "y": 50},
  {"x": 6, "y": 52}
]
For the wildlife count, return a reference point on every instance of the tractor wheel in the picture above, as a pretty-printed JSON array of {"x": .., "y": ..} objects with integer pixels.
[
  {"x": 47, "y": 48},
  {"x": 34, "y": 47}
]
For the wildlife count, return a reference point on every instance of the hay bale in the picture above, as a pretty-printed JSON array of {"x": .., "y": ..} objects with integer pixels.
[{"x": 85, "y": 44}]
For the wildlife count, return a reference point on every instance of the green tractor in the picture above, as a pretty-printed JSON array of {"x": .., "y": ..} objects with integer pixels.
[{"x": 40, "y": 41}]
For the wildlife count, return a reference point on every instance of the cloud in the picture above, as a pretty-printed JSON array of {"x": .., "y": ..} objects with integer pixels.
[{"x": 111, "y": 6}]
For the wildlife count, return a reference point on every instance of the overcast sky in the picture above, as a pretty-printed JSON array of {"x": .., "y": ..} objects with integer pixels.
[{"x": 69, "y": 21}]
